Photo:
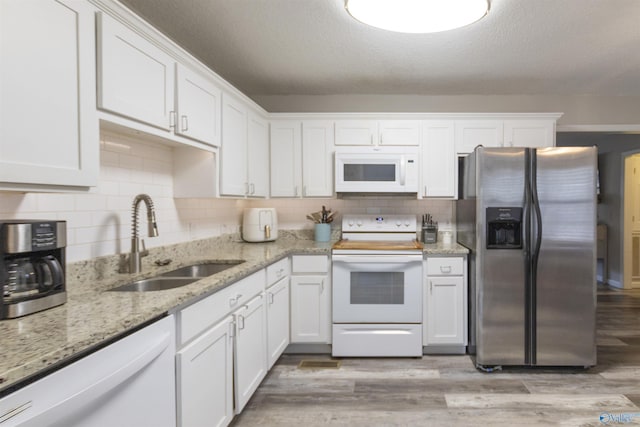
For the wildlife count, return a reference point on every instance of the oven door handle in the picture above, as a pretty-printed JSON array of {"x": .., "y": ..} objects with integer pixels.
[{"x": 377, "y": 259}]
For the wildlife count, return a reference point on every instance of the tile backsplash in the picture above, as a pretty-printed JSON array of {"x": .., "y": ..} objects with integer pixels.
[{"x": 99, "y": 221}]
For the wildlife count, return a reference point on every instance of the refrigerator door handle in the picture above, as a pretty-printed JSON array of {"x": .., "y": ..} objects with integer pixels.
[{"x": 538, "y": 217}]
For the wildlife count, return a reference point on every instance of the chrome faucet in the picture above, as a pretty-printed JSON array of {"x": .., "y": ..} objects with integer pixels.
[{"x": 135, "y": 258}]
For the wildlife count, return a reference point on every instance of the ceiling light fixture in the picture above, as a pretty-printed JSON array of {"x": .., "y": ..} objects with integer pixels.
[{"x": 417, "y": 16}]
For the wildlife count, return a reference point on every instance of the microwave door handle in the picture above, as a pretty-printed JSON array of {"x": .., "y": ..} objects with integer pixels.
[{"x": 403, "y": 170}]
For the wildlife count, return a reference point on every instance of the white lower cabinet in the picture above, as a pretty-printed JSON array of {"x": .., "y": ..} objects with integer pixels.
[
  {"x": 277, "y": 320},
  {"x": 251, "y": 350},
  {"x": 445, "y": 305},
  {"x": 205, "y": 378},
  {"x": 310, "y": 299}
]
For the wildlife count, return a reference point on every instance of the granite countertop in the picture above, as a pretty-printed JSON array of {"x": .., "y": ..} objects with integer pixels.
[{"x": 34, "y": 344}]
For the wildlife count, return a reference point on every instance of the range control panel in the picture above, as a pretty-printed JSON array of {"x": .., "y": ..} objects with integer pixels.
[{"x": 379, "y": 223}]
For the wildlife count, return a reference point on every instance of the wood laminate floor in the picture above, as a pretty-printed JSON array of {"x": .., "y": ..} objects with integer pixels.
[{"x": 449, "y": 391}]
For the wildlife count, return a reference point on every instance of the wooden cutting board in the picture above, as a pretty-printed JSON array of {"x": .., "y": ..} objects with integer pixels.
[{"x": 378, "y": 245}]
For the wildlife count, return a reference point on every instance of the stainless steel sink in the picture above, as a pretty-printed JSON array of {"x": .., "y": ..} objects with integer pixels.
[
  {"x": 155, "y": 284},
  {"x": 179, "y": 277},
  {"x": 202, "y": 270}
]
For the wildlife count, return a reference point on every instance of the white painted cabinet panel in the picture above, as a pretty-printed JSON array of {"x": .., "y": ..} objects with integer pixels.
[
  {"x": 233, "y": 154},
  {"x": 529, "y": 133},
  {"x": 135, "y": 78},
  {"x": 48, "y": 122},
  {"x": 471, "y": 133},
  {"x": 356, "y": 132},
  {"x": 317, "y": 158},
  {"x": 399, "y": 132},
  {"x": 198, "y": 103},
  {"x": 250, "y": 351},
  {"x": 438, "y": 159},
  {"x": 277, "y": 320},
  {"x": 258, "y": 157},
  {"x": 310, "y": 308},
  {"x": 205, "y": 378},
  {"x": 286, "y": 176},
  {"x": 445, "y": 305}
]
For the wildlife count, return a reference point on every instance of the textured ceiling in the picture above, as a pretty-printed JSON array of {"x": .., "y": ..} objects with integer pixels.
[{"x": 308, "y": 47}]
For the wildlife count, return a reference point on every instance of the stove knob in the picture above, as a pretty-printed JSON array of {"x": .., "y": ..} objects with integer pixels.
[
  {"x": 407, "y": 223},
  {"x": 350, "y": 223},
  {"x": 398, "y": 223}
]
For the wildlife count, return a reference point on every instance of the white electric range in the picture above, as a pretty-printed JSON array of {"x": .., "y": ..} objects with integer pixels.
[{"x": 377, "y": 287}]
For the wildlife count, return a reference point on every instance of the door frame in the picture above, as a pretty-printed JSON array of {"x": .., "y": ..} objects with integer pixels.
[{"x": 625, "y": 220}]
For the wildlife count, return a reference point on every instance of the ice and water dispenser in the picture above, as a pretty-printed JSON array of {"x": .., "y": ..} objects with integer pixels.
[{"x": 504, "y": 228}]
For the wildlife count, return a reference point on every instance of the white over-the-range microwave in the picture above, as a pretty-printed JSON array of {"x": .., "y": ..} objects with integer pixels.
[{"x": 376, "y": 170}]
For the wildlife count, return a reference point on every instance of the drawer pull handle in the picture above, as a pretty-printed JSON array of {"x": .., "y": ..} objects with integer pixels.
[
  {"x": 445, "y": 269},
  {"x": 234, "y": 300}
]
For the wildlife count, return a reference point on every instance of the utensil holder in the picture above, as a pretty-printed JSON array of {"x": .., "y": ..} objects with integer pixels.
[
  {"x": 430, "y": 234},
  {"x": 322, "y": 232}
]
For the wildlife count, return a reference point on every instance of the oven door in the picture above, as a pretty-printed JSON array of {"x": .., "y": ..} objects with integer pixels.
[{"x": 375, "y": 288}]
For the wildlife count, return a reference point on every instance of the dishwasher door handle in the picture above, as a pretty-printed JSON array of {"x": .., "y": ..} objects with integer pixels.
[{"x": 82, "y": 397}]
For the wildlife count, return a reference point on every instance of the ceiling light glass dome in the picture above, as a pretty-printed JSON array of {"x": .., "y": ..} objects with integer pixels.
[{"x": 417, "y": 16}]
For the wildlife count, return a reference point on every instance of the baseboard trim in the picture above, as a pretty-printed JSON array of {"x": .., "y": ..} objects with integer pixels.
[
  {"x": 305, "y": 348},
  {"x": 444, "y": 349}
]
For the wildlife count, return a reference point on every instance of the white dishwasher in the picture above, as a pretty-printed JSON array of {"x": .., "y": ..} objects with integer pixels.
[{"x": 128, "y": 383}]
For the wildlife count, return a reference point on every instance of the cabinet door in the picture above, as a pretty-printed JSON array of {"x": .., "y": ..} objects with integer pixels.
[
  {"x": 48, "y": 123},
  {"x": 135, "y": 78},
  {"x": 317, "y": 159},
  {"x": 233, "y": 153},
  {"x": 258, "y": 157},
  {"x": 197, "y": 107},
  {"x": 251, "y": 350},
  {"x": 471, "y": 133},
  {"x": 529, "y": 133},
  {"x": 399, "y": 132},
  {"x": 445, "y": 310},
  {"x": 286, "y": 174},
  {"x": 438, "y": 159},
  {"x": 356, "y": 132},
  {"x": 204, "y": 371},
  {"x": 277, "y": 320},
  {"x": 310, "y": 319}
]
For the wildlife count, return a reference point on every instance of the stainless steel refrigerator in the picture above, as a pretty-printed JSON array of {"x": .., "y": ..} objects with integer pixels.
[{"x": 528, "y": 217}]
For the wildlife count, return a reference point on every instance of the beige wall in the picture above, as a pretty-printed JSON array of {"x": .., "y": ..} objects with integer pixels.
[{"x": 578, "y": 110}]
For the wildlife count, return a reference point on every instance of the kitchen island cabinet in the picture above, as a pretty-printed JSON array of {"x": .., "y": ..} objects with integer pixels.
[{"x": 49, "y": 138}]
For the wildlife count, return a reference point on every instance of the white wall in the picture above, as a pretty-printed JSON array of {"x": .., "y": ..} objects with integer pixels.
[{"x": 99, "y": 222}]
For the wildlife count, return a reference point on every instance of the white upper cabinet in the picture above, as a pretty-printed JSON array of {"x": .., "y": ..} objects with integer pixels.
[
  {"x": 302, "y": 158},
  {"x": 142, "y": 83},
  {"x": 286, "y": 168},
  {"x": 399, "y": 132},
  {"x": 135, "y": 78},
  {"x": 438, "y": 159},
  {"x": 471, "y": 133},
  {"x": 244, "y": 151},
  {"x": 529, "y": 133},
  {"x": 504, "y": 133},
  {"x": 317, "y": 158},
  {"x": 197, "y": 107},
  {"x": 233, "y": 155},
  {"x": 356, "y": 132},
  {"x": 373, "y": 132},
  {"x": 48, "y": 124},
  {"x": 258, "y": 156}
]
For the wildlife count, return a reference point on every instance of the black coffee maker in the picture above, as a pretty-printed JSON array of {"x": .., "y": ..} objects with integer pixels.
[{"x": 32, "y": 266}]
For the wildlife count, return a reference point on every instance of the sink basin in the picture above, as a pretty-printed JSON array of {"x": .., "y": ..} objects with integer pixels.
[
  {"x": 179, "y": 277},
  {"x": 155, "y": 284},
  {"x": 202, "y": 270}
]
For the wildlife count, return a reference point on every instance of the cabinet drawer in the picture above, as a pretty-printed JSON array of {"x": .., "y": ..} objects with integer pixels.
[
  {"x": 277, "y": 271},
  {"x": 445, "y": 266},
  {"x": 310, "y": 263},
  {"x": 201, "y": 315}
]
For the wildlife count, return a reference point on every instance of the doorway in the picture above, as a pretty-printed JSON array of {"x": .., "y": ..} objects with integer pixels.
[{"x": 631, "y": 220}]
